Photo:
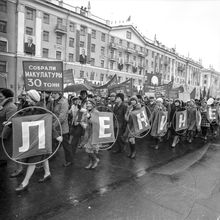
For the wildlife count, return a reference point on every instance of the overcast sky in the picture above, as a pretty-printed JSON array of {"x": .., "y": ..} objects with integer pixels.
[{"x": 192, "y": 25}]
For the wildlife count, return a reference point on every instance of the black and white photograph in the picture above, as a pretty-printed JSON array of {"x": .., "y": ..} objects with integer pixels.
[{"x": 109, "y": 109}]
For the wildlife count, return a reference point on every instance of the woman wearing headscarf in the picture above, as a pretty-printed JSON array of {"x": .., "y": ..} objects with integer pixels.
[
  {"x": 134, "y": 105},
  {"x": 91, "y": 149},
  {"x": 7, "y": 109},
  {"x": 191, "y": 119},
  {"x": 176, "y": 106},
  {"x": 159, "y": 107}
]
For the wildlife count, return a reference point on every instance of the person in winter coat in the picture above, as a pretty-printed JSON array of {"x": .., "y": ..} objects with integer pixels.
[
  {"x": 205, "y": 123},
  {"x": 91, "y": 149},
  {"x": 177, "y": 106},
  {"x": 120, "y": 110},
  {"x": 135, "y": 105},
  {"x": 191, "y": 119},
  {"x": 7, "y": 109},
  {"x": 154, "y": 122}
]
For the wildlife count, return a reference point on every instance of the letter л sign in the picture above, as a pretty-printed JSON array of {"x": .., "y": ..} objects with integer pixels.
[{"x": 32, "y": 136}]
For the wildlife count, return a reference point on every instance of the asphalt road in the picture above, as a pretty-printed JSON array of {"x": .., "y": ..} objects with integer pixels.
[{"x": 181, "y": 183}]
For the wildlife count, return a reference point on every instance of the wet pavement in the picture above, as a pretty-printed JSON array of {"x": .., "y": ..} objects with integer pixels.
[{"x": 180, "y": 183}]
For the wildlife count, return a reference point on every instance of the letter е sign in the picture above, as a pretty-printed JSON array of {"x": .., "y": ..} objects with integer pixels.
[
  {"x": 102, "y": 128},
  {"x": 32, "y": 136}
]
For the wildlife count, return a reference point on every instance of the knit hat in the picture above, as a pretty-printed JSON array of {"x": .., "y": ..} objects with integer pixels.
[
  {"x": 34, "y": 95},
  {"x": 134, "y": 97},
  {"x": 210, "y": 101},
  {"x": 120, "y": 95},
  {"x": 113, "y": 94},
  {"x": 159, "y": 100},
  {"x": 7, "y": 93}
]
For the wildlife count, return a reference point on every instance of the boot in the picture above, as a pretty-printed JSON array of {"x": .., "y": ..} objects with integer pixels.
[
  {"x": 90, "y": 163},
  {"x": 95, "y": 163},
  {"x": 175, "y": 141},
  {"x": 133, "y": 151}
]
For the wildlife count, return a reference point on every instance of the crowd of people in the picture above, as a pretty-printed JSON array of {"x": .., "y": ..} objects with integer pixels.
[{"x": 75, "y": 115}]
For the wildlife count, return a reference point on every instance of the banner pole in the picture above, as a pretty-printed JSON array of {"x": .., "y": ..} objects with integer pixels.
[{"x": 44, "y": 100}]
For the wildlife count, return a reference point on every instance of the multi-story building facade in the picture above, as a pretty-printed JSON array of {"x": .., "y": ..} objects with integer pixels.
[
  {"x": 51, "y": 30},
  {"x": 210, "y": 81}
]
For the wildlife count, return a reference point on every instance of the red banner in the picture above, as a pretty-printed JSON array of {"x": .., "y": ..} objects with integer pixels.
[
  {"x": 140, "y": 121},
  {"x": 181, "y": 120},
  {"x": 102, "y": 128},
  {"x": 162, "y": 123},
  {"x": 32, "y": 136}
]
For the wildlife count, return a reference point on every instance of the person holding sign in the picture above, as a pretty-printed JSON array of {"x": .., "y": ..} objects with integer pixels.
[
  {"x": 33, "y": 98},
  {"x": 135, "y": 105},
  {"x": 159, "y": 122},
  {"x": 176, "y": 107},
  {"x": 91, "y": 149},
  {"x": 205, "y": 124}
]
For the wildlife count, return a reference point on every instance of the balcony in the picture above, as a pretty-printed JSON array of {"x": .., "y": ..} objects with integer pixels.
[
  {"x": 113, "y": 58},
  {"x": 61, "y": 28},
  {"x": 128, "y": 62},
  {"x": 141, "y": 53},
  {"x": 141, "y": 65},
  {"x": 113, "y": 46},
  {"x": 130, "y": 50}
]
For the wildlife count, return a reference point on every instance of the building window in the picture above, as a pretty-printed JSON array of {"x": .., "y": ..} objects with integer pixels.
[
  {"x": 102, "y": 63},
  {"x": 70, "y": 57},
  {"x": 135, "y": 47},
  {"x": 46, "y": 36},
  {"x": 103, "y": 37},
  {"x": 134, "y": 58},
  {"x": 81, "y": 43},
  {"x": 111, "y": 65},
  {"x": 120, "y": 54},
  {"x": 29, "y": 31},
  {"x": 83, "y": 30},
  {"x": 92, "y": 75},
  {"x": 112, "y": 39},
  {"x": 45, "y": 52},
  {"x": 152, "y": 64},
  {"x": 71, "y": 42},
  {"x": 128, "y": 44},
  {"x": 3, "y": 66},
  {"x": 81, "y": 73},
  {"x": 146, "y": 63},
  {"x": 146, "y": 52},
  {"x": 58, "y": 55},
  {"x": 94, "y": 34},
  {"x": 71, "y": 26},
  {"x": 92, "y": 62},
  {"x": 101, "y": 77},
  {"x": 93, "y": 48},
  {"x": 46, "y": 18},
  {"x": 3, "y": 26},
  {"x": 127, "y": 68},
  {"x": 59, "y": 21},
  {"x": 141, "y": 48},
  {"x": 102, "y": 50},
  {"x": 120, "y": 42},
  {"x": 3, "y": 5},
  {"x": 3, "y": 46},
  {"x": 152, "y": 54},
  {"x": 29, "y": 14},
  {"x": 128, "y": 35},
  {"x": 59, "y": 38}
]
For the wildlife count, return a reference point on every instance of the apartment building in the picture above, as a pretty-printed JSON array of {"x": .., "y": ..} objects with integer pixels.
[{"x": 89, "y": 46}]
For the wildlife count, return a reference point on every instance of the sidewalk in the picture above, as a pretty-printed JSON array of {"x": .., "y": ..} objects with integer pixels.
[{"x": 72, "y": 185}]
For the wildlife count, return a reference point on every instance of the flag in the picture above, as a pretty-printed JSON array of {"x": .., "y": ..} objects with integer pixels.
[
  {"x": 89, "y": 6},
  {"x": 204, "y": 93},
  {"x": 193, "y": 94},
  {"x": 111, "y": 82},
  {"x": 208, "y": 94},
  {"x": 129, "y": 18}
]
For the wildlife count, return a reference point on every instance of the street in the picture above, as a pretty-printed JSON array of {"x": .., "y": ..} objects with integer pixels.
[{"x": 181, "y": 183}]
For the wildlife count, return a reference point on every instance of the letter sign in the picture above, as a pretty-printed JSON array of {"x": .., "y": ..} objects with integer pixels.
[
  {"x": 181, "y": 120},
  {"x": 32, "y": 136},
  {"x": 103, "y": 127}
]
